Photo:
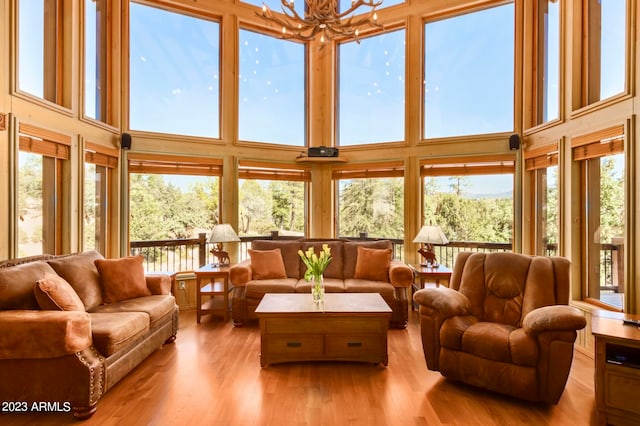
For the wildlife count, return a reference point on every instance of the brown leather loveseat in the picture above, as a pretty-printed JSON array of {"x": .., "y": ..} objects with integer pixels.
[
  {"x": 356, "y": 267},
  {"x": 72, "y": 326},
  {"x": 503, "y": 324}
]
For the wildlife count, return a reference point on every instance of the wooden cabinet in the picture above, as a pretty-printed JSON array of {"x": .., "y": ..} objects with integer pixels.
[{"x": 617, "y": 371}]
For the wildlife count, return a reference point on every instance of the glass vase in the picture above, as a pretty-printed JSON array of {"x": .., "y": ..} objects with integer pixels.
[{"x": 317, "y": 289}]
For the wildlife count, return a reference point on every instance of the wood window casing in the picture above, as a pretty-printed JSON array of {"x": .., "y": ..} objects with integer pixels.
[
  {"x": 55, "y": 149},
  {"x": 587, "y": 151}
]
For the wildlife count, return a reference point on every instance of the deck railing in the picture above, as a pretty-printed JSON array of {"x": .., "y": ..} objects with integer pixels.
[{"x": 187, "y": 255}]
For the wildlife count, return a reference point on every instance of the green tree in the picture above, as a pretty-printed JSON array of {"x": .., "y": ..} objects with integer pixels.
[
  {"x": 287, "y": 209},
  {"x": 373, "y": 205},
  {"x": 611, "y": 199},
  {"x": 255, "y": 208}
]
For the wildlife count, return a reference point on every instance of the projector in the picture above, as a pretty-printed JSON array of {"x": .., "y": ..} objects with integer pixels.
[{"x": 322, "y": 151}]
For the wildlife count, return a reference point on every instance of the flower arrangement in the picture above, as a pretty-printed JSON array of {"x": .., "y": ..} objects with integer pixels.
[{"x": 316, "y": 265}]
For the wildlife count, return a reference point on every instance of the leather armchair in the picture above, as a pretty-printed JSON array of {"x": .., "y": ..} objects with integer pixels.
[{"x": 503, "y": 324}]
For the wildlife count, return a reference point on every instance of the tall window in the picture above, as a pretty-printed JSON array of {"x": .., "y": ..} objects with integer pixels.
[
  {"x": 272, "y": 199},
  {"x": 469, "y": 73},
  {"x": 370, "y": 200},
  {"x": 547, "y": 61},
  {"x": 606, "y": 59},
  {"x": 371, "y": 86},
  {"x": 601, "y": 159},
  {"x": 172, "y": 197},
  {"x": 96, "y": 48},
  {"x": 99, "y": 166},
  {"x": 40, "y": 65},
  {"x": 272, "y": 90},
  {"x": 542, "y": 163},
  {"x": 40, "y": 190},
  {"x": 472, "y": 202},
  {"x": 174, "y": 68}
]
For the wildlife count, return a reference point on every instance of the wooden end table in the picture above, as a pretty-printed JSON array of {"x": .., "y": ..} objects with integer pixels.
[
  {"x": 346, "y": 327},
  {"x": 428, "y": 273},
  {"x": 212, "y": 282},
  {"x": 617, "y": 369}
]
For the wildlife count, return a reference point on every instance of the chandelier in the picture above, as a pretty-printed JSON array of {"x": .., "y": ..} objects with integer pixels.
[{"x": 322, "y": 17}]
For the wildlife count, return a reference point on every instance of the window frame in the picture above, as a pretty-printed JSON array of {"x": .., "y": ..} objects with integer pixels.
[
  {"x": 104, "y": 62},
  {"x": 55, "y": 149},
  {"x": 586, "y": 152},
  {"x": 374, "y": 170},
  {"x": 540, "y": 59},
  {"x": 56, "y": 47},
  {"x": 590, "y": 44},
  {"x": 126, "y": 47},
  {"x": 537, "y": 162},
  {"x": 264, "y": 170},
  {"x": 106, "y": 161}
]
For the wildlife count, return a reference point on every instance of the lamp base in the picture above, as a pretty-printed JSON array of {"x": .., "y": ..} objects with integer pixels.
[{"x": 426, "y": 251}]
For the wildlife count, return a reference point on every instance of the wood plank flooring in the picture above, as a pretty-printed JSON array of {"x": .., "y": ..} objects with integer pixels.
[{"x": 212, "y": 376}]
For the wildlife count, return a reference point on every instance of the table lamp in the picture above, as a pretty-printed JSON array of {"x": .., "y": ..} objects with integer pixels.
[
  {"x": 222, "y": 233},
  {"x": 429, "y": 235}
]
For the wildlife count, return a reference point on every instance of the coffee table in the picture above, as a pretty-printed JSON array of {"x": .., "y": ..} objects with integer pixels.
[{"x": 346, "y": 327}]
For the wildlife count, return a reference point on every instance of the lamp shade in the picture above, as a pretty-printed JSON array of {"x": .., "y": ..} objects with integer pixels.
[
  {"x": 431, "y": 234},
  {"x": 223, "y": 233}
]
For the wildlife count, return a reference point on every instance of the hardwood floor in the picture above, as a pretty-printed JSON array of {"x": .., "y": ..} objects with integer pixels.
[{"x": 212, "y": 376}]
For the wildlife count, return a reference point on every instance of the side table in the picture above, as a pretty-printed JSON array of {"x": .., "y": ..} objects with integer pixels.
[
  {"x": 617, "y": 369},
  {"x": 212, "y": 282},
  {"x": 428, "y": 273}
]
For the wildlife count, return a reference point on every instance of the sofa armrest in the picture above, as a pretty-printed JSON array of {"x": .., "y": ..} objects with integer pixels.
[
  {"x": 400, "y": 274},
  {"x": 553, "y": 318},
  {"x": 159, "y": 283},
  {"x": 43, "y": 334},
  {"x": 240, "y": 273},
  {"x": 444, "y": 301}
]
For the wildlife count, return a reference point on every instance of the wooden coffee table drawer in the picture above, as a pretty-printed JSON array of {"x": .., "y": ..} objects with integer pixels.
[
  {"x": 356, "y": 347},
  {"x": 303, "y": 345}
]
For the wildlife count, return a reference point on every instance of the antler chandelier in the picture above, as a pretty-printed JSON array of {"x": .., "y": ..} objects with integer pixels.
[{"x": 322, "y": 17}]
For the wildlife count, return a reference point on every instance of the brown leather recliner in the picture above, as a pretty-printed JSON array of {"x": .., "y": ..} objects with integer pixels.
[{"x": 503, "y": 324}]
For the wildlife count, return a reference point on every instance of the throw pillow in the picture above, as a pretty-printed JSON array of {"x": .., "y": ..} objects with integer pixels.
[
  {"x": 267, "y": 264},
  {"x": 122, "y": 279},
  {"x": 373, "y": 264},
  {"x": 54, "y": 293}
]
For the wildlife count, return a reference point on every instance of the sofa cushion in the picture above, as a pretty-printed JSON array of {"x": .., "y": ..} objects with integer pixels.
[
  {"x": 373, "y": 264},
  {"x": 114, "y": 331},
  {"x": 257, "y": 289},
  {"x": 289, "y": 250},
  {"x": 80, "y": 271},
  {"x": 17, "y": 283},
  {"x": 157, "y": 307},
  {"x": 331, "y": 285},
  {"x": 335, "y": 269},
  {"x": 355, "y": 285},
  {"x": 351, "y": 253},
  {"x": 54, "y": 293},
  {"x": 267, "y": 264},
  {"x": 122, "y": 279}
]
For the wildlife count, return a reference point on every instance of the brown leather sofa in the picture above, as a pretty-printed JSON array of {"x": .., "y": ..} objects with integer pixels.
[
  {"x": 72, "y": 357},
  {"x": 503, "y": 325},
  {"x": 340, "y": 276}
]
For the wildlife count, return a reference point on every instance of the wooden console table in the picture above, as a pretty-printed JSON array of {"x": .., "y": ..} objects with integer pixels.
[
  {"x": 349, "y": 327},
  {"x": 617, "y": 374}
]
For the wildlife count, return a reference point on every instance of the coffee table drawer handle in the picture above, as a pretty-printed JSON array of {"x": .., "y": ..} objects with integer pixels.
[
  {"x": 294, "y": 344},
  {"x": 354, "y": 344}
]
